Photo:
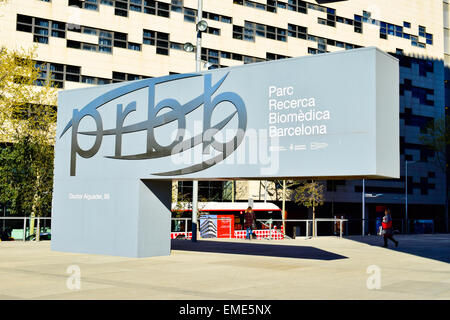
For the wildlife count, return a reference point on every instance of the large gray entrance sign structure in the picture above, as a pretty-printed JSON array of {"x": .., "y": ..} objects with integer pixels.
[{"x": 119, "y": 146}]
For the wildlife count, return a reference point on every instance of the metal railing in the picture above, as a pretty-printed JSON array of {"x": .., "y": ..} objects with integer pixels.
[
  {"x": 307, "y": 223},
  {"x": 24, "y": 225},
  {"x": 20, "y": 226},
  {"x": 411, "y": 226}
]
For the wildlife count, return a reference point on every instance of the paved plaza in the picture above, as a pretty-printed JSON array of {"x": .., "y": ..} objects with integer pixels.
[{"x": 321, "y": 268}]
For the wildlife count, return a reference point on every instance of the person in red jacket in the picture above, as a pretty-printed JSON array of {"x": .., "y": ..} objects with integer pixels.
[
  {"x": 249, "y": 222},
  {"x": 387, "y": 228}
]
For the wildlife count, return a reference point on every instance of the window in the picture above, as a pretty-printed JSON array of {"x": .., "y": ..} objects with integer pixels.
[
  {"x": 274, "y": 56},
  {"x": 225, "y": 55},
  {"x": 120, "y": 76},
  {"x": 176, "y": 46},
  {"x": 89, "y": 80},
  {"x": 214, "y": 31},
  {"x": 357, "y": 24},
  {"x": 177, "y": 6},
  {"x": 147, "y": 6},
  {"x": 271, "y": 6},
  {"x": 121, "y": 8},
  {"x": 297, "y": 31},
  {"x": 252, "y": 29},
  {"x": 316, "y": 7},
  {"x": 329, "y": 21},
  {"x": 134, "y": 46},
  {"x": 88, "y": 47},
  {"x": 299, "y": 6},
  {"x": 58, "y": 29},
  {"x": 120, "y": 40},
  {"x": 103, "y": 81},
  {"x": 85, "y": 4},
  {"x": 429, "y": 38},
  {"x": 238, "y": 32},
  {"x": 422, "y": 31},
  {"x": 190, "y": 15},
  {"x": 73, "y": 44},
  {"x": 216, "y": 17},
  {"x": 41, "y": 28},
  {"x": 59, "y": 73},
  {"x": 160, "y": 39},
  {"x": 210, "y": 55}
]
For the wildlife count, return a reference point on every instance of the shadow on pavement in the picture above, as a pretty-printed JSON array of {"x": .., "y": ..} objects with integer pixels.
[
  {"x": 431, "y": 246},
  {"x": 256, "y": 249}
]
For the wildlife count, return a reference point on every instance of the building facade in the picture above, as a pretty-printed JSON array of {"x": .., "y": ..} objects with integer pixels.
[{"x": 94, "y": 42}]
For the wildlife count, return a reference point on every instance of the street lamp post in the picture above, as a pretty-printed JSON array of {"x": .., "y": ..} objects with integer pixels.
[
  {"x": 201, "y": 26},
  {"x": 363, "y": 206}
]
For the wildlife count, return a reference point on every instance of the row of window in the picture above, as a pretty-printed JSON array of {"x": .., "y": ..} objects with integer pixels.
[
  {"x": 108, "y": 39},
  {"x": 158, "y": 39},
  {"x": 398, "y": 31},
  {"x": 159, "y": 8},
  {"x": 386, "y": 29},
  {"x": 274, "y": 56},
  {"x": 43, "y": 28},
  {"x": 252, "y": 29},
  {"x": 121, "y": 76},
  {"x": 425, "y": 66},
  {"x": 213, "y": 57},
  {"x": 61, "y": 72},
  {"x": 423, "y": 94},
  {"x": 163, "y": 9},
  {"x": 302, "y": 33},
  {"x": 415, "y": 120}
]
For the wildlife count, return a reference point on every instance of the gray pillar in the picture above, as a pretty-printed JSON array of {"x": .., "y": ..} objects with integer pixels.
[
  {"x": 133, "y": 221},
  {"x": 194, "y": 210}
]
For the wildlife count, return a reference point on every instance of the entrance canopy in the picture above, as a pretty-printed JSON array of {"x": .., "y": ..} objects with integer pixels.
[{"x": 227, "y": 206}]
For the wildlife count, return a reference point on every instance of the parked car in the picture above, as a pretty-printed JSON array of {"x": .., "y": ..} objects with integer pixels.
[
  {"x": 6, "y": 236},
  {"x": 42, "y": 236}
]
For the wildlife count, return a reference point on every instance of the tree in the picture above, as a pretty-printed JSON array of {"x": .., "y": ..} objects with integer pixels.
[
  {"x": 310, "y": 194},
  {"x": 25, "y": 108},
  {"x": 26, "y": 176},
  {"x": 27, "y": 132},
  {"x": 437, "y": 139},
  {"x": 281, "y": 189}
]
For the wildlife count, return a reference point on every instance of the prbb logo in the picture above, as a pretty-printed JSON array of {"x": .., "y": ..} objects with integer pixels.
[{"x": 178, "y": 112}]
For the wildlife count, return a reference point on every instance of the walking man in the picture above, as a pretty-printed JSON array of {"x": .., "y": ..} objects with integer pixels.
[
  {"x": 387, "y": 231},
  {"x": 249, "y": 222}
]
